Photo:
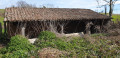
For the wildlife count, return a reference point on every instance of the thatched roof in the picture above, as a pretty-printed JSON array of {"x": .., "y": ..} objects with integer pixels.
[{"x": 38, "y": 14}]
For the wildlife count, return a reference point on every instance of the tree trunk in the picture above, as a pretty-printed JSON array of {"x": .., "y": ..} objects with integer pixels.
[
  {"x": 110, "y": 12},
  {"x": 105, "y": 10}
]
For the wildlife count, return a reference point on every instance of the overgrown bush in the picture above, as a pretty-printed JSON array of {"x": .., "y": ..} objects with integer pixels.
[
  {"x": 19, "y": 43},
  {"x": 49, "y": 39},
  {"x": 81, "y": 47},
  {"x": 3, "y": 39},
  {"x": 3, "y": 50},
  {"x": 17, "y": 54},
  {"x": 45, "y": 39},
  {"x": 18, "y": 47},
  {"x": 54, "y": 43},
  {"x": 43, "y": 43},
  {"x": 101, "y": 48},
  {"x": 46, "y": 35},
  {"x": 61, "y": 45},
  {"x": 113, "y": 29}
]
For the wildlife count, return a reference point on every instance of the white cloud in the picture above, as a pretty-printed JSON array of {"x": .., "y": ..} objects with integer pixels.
[
  {"x": 76, "y": 3},
  {"x": 118, "y": 2}
]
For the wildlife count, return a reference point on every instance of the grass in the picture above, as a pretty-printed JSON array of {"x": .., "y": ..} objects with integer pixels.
[
  {"x": 1, "y": 14},
  {"x": 1, "y": 21},
  {"x": 2, "y": 10},
  {"x": 2, "y": 17},
  {"x": 99, "y": 34},
  {"x": 116, "y": 18}
]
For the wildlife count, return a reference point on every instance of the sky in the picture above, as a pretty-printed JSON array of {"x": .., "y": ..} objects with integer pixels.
[{"x": 86, "y": 4}]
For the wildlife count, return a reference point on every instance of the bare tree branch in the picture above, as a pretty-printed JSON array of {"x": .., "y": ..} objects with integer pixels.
[
  {"x": 111, "y": 5},
  {"x": 24, "y": 4}
]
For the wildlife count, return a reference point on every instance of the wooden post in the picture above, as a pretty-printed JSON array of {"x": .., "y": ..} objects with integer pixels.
[
  {"x": 5, "y": 30},
  {"x": 0, "y": 30},
  {"x": 23, "y": 30},
  {"x": 62, "y": 29},
  {"x": 88, "y": 26}
]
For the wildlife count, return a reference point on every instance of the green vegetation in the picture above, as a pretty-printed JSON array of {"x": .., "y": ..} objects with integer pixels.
[
  {"x": 99, "y": 34},
  {"x": 116, "y": 18},
  {"x": 46, "y": 35},
  {"x": 76, "y": 47},
  {"x": 1, "y": 15},
  {"x": 49, "y": 39},
  {"x": 17, "y": 54},
  {"x": 1, "y": 19},
  {"x": 19, "y": 43},
  {"x": 2, "y": 10},
  {"x": 54, "y": 43},
  {"x": 17, "y": 47},
  {"x": 82, "y": 47}
]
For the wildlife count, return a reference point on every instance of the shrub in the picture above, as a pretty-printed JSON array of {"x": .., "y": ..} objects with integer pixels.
[
  {"x": 46, "y": 35},
  {"x": 16, "y": 54},
  {"x": 54, "y": 43},
  {"x": 4, "y": 39},
  {"x": 46, "y": 39},
  {"x": 44, "y": 44},
  {"x": 61, "y": 45},
  {"x": 3, "y": 50},
  {"x": 18, "y": 47},
  {"x": 19, "y": 43},
  {"x": 113, "y": 29},
  {"x": 82, "y": 48}
]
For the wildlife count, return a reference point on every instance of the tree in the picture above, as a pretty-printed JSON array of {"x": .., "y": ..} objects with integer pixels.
[
  {"x": 100, "y": 6},
  {"x": 110, "y": 3},
  {"x": 111, "y": 6},
  {"x": 24, "y": 4}
]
